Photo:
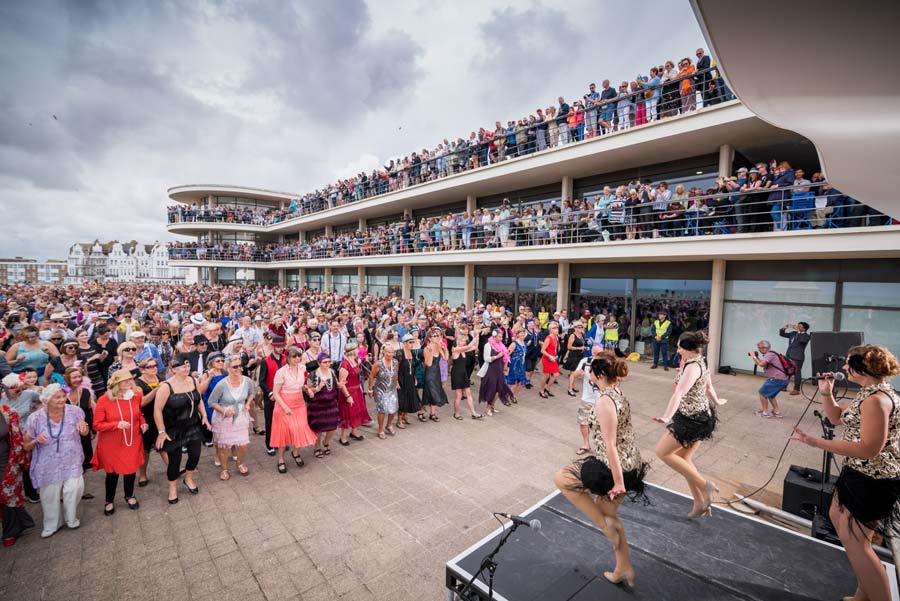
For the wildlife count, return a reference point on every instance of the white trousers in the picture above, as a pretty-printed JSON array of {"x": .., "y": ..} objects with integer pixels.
[{"x": 54, "y": 512}]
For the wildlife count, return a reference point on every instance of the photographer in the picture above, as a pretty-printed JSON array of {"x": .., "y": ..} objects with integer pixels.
[
  {"x": 796, "y": 350},
  {"x": 776, "y": 379}
]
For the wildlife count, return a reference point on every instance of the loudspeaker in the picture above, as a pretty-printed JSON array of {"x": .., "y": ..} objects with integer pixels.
[
  {"x": 801, "y": 491},
  {"x": 828, "y": 350}
]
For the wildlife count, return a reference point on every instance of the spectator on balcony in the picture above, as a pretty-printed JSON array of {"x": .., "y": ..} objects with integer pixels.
[
  {"x": 640, "y": 108},
  {"x": 624, "y": 103},
  {"x": 652, "y": 94},
  {"x": 607, "y": 106},
  {"x": 670, "y": 90},
  {"x": 590, "y": 104},
  {"x": 688, "y": 93},
  {"x": 704, "y": 78},
  {"x": 784, "y": 178},
  {"x": 661, "y": 195},
  {"x": 540, "y": 123},
  {"x": 562, "y": 122}
]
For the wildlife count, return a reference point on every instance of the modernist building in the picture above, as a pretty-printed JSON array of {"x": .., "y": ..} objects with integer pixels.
[
  {"x": 744, "y": 286},
  {"x": 31, "y": 271},
  {"x": 121, "y": 261}
]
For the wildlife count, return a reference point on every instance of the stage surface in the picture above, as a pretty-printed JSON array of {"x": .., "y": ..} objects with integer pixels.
[{"x": 725, "y": 557}]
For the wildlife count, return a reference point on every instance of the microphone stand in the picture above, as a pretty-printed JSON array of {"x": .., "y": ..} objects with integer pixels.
[
  {"x": 820, "y": 517},
  {"x": 490, "y": 565}
]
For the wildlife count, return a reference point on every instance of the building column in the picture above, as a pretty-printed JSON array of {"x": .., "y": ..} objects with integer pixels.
[
  {"x": 362, "y": 224},
  {"x": 301, "y": 236},
  {"x": 716, "y": 311},
  {"x": 406, "y": 284},
  {"x": 210, "y": 200},
  {"x": 211, "y": 276},
  {"x": 301, "y": 277},
  {"x": 471, "y": 205},
  {"x": 327, "y": 283},
  {"x": 469, "y": 285},
  {"x": 562, "y": 286},
  {"x": 726, "y": 160},
  {"x": 568, "y": 185},
  {"x": 282, "y": 278},
  {"x": 329, "y": 231},
  {"x": 360, "y": 278}
]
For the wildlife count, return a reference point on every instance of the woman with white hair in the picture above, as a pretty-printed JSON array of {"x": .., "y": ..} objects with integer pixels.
[
  {"x": 53, "y": 434},
  {"x": 230, "y": 401}
]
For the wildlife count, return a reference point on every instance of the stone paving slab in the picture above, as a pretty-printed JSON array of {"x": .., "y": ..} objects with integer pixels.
[{"x": 375, "y": 520}]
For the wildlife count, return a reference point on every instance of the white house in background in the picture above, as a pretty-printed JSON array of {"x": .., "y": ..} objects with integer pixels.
[{"x": 122, "y": 262}]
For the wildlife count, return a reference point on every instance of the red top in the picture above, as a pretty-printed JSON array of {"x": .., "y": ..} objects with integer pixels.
[{"x": 118, "y": 451}]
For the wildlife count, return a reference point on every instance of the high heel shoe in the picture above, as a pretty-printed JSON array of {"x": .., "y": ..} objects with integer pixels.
[
  {"x": 626, "y": 578},
  {"x": 700, "y": 512}
]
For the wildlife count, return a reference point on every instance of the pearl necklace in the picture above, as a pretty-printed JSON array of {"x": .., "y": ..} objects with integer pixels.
[
  {"x": 329, "y": 381},
  {"x": 125, "y": 431}
]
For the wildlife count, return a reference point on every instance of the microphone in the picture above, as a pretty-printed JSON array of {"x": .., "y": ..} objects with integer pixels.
[
  {"x": 520, "y": 521},
  {"x": 837, "y": 376}
]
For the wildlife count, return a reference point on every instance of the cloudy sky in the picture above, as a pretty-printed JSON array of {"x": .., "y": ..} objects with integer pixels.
[{"x": 105, "y": 105}]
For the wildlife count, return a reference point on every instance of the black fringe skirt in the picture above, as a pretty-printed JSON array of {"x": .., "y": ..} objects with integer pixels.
[
  {"x": 597, "y": 478},
  {"x": 869, "y": 500},
  {"x": 688, "y": 429}
]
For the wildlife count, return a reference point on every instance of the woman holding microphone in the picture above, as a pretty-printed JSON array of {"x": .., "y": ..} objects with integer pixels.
[{"x": 869, "y": 483}]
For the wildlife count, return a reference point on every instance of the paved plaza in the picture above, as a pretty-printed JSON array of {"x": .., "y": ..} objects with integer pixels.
[{"x": 375, "y": 520}]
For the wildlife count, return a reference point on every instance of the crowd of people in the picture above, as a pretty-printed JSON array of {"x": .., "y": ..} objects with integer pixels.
[
  {"x": 753, "y": 200},
  {"x": 665, "y": 91},
  {"x": 101, "y": 376}
]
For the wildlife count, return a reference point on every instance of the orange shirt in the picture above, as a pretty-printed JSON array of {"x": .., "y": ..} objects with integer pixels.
[{"x": 687, "y": 86}]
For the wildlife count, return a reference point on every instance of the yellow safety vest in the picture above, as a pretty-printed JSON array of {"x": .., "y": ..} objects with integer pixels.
[
  {"x": 661, "y": 327},
  {"x": 611, "y": 333}
]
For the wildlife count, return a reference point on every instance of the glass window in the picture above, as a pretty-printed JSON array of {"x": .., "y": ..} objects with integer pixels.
[
  {"x": 603, "y": 286},
  {"x": 430, "y": 294},
  {"x": 818, "y": 293},
  {"x": 537, "y": 285},
  {"x": 499, "y": 284},
  {"x": 429, "y": 281},
  {"x": 879, "y": 326},
  {"x": 871, "y": 294},
  {"x": 452, "y": 281},
  {"x": 454, "y": 296},
  {"x": 745, "y": 324}
]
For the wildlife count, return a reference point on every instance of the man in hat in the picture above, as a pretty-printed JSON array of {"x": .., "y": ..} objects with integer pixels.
[
  {"x": 532, "y": 349},
  {"x": 199, "y": 355},
  {"x": 267, "y": 369},
  {"x": 662, "y": 329},
  {"x": 147, "y": 350}
]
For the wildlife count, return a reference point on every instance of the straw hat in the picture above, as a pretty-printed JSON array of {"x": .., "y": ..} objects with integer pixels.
[{"x": 119, "y": 377}]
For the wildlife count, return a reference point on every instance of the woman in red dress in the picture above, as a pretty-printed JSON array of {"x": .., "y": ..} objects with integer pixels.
[
  {"x": 549, "y": 360},
  {"x": 352, "y": 400},
  {"x": 119, "y": 423}
]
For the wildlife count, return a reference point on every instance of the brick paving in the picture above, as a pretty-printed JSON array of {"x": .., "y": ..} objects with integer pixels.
[{"x": 375, "y": 520}]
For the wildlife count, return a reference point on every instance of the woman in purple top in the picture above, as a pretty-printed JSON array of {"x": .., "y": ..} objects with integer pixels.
[{"x": 54, "y": 434}]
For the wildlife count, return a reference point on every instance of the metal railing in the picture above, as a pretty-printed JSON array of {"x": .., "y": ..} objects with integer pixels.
[
  {"x": 633, "y": 215},
  {"x": 632, "y": 108}
]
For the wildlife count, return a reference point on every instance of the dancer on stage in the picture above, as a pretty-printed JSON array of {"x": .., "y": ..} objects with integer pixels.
[
  {"x": 612, "y": 471},
  {"x": 689, "y": 419},
  {"x": 869, "y": 483}
]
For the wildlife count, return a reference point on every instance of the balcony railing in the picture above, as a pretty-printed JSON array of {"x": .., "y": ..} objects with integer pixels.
[
  {"x": 615, "y": 219},
  {"x": 625, "y": 111}
]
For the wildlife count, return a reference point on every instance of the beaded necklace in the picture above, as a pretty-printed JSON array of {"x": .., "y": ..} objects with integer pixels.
[
  {"x": 62, "y": 422},
  {"x": 126, "y": 431}
]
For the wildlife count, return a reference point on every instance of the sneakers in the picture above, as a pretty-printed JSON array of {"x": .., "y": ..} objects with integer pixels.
[{"x": 760, "y": 413}]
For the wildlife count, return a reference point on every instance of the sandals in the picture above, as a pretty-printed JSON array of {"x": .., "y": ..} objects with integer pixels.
[
  {"x": 143, "y": 483},
  {"x": 401, "y": 426},
  {"x": 570, "y": 393},
  {"x": 514, "y": 401},
  {"x": 434, "y": 418},
  {"x": 543, "y": 394},
  {"x": 326, "y": 450},
  {"x": 422, "y": 418},
  {"x": 282, "y": 468},
  {"x": 318, "y": 453},
  {"x": 243, "y": 469},
  {"x": 109, "y": 509},
  {"x": 259, "y": 432},
  {"x": 381, "y": 435},
  {"x": 478, "y": 416},
  {"x": 224, "y": 475},
  {"x": 582, "y": 451},
  {"x": 390, "y": 430},
  {"x": 299, "y": 460},
  {"x": 457, "y": 416},
  {"x": 549, "y": 393}
]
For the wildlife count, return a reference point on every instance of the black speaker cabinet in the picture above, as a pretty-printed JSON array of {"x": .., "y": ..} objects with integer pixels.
[
  {"x": 828, "y": 350},
  {"x": 801, "y": 491}
]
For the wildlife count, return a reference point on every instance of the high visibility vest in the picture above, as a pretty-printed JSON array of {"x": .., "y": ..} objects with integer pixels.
[
  {"x": 661, "y": 327},
  {"x": 611, "y": 333}
]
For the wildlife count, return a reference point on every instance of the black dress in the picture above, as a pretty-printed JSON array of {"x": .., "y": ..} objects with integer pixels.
[
  {"x": 152, "y": 432},
  {"x": 433, "y": 393},
  {"x": 181, "y": 417},
  {"x": 408, "y": 395},
  {"x": 574, "y": 354},
  {"x": 459, "y": 371},
  {"x": 84, "y": 402}
]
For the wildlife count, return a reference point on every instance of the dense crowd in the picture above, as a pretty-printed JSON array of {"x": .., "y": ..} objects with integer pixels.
[
  {"x": 665, "y": 91},
  {"x": 773, "y": 197},
  {"x": 106, "y": 376}
]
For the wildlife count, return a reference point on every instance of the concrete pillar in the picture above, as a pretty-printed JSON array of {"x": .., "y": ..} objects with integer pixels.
[
  {"x": 327, "y": 284},
  {"x": 281, "y": 205},
  {"x": 562, "y": 286},
  {"x": 211, "y": 276},
  {"x": 301, "y": 278},
  {"x": 568, "y": 185},
  {"x": 716, "y": 310},
  {"x": 362, "y": 224},
  {"x": 209, "y": 236},
  {"x": 301, "y": 236},
  {"x": 471, "y": 205},
  {"x": 329, "y": 231},
  {"x": 469, "y": 285},
  {"x": 282, "y": 277},
  {"x": 406, "y": 284},
  {"x": 210, "y": 200},
  {"x": 360, "y": 278},
  {"x": 726, "y": 160}
]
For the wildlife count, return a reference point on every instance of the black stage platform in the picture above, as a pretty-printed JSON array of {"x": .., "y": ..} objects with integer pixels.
[{"x": 726, "y": 557}]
